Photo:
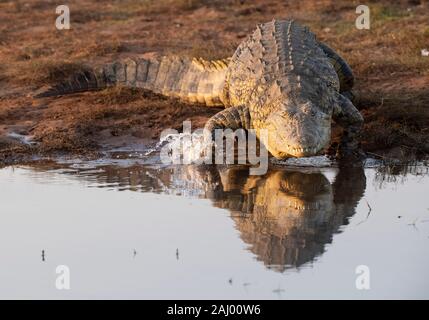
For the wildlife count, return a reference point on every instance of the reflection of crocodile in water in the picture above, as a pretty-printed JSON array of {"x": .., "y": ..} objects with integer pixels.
[{"x": 286, "y": 217}]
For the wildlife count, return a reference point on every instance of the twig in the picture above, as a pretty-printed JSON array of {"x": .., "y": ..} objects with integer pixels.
[
  {"x": 369, "y": 207},
  {"x": 378, "y": 155},
  {"x": 367, "y": 215},
  {"x": 375, "y": 154}
]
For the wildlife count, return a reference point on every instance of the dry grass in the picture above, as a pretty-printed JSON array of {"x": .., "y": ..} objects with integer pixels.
[
  {"x": 210, "y": 50},
  {"x": 398, "y": 120},
  {"x": 162, "y": 6},
  {"x": 46, "y": 71}
]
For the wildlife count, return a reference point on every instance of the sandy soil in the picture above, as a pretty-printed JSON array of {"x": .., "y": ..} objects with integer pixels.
[{"x": 392, "y": 76}]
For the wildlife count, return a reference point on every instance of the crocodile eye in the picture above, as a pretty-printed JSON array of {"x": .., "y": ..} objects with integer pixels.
[{"x": 287, "y": 114}]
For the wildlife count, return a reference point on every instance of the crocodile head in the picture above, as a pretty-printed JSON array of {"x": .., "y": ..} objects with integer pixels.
[{"x": 297, "y": 131}]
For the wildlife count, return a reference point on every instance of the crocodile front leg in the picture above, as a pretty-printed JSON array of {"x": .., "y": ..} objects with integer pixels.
[
  {"x": 346, "y": 115},
  {"x": 232, "y": 118},
  {"x": 229, "y": 118}
]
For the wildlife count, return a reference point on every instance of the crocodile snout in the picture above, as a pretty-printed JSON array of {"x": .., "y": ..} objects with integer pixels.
[{"x": 290, "y": 138}]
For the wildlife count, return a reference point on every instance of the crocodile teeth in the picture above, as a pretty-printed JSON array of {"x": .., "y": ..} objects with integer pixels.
[{"x": 299, "y": 149}]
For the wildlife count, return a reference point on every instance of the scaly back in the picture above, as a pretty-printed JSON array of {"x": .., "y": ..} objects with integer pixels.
[{"x": 280, "y": 64}]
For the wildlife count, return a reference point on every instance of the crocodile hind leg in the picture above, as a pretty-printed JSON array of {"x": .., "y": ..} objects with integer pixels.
[
  {"x": 344, "y": 72},
  {"x": 346, "y": 115}
]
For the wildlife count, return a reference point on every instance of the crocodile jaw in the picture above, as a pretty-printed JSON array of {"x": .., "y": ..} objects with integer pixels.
[
  {"x": 295, "y": 151},
  {"x": 290, "y": 139}
]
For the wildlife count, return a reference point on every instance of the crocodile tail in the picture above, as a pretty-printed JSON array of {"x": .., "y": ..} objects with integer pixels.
[
  {"x": 86, "y": 80},
  {"x": 191, "y": 80}
]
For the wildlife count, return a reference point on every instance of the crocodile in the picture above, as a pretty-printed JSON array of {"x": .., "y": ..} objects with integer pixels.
[{"x": 281, "y": 81}]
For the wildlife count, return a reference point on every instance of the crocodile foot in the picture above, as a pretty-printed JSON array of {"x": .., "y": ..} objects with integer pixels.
[{"x": 347, "y": 154}]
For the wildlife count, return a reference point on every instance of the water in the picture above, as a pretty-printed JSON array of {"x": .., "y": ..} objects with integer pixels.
[{"x": 129, "y": 228}]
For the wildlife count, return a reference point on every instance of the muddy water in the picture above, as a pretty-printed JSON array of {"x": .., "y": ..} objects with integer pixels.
[{"x": 140, "y": 230}]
